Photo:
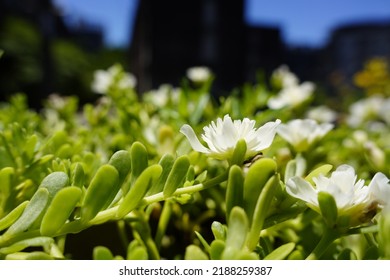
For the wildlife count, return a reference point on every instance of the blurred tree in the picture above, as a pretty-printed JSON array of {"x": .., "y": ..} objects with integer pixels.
[
  {"x": 36, "y": 66},
  {"x": 20, "y": 67}
]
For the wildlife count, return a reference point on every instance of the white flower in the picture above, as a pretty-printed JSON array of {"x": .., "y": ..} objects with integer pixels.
[
  {"x": 199, "y": 74},
  {"x": 384, "y": 111},
  {"x": 303, "y": 133},
  {"x": 222, "y": 137},
  {"x": 322, "y": 114},
  {"x": 375, "y": 154},
  {"x": 104, "y": 79},
  {"x": 364, "y": 110},
  {"x": 127, "y": 80},
  {"x": 380, "y": 189},
  {"x": 291, "y": 96},
  {"x": 101, "y": 81},
  {"x": 352, "y": 197},
  {"x": 285, "y": 76},
  {"x": 161, "y": 96}
]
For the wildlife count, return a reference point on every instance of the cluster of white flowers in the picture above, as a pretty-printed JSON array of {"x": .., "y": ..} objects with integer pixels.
[
  {"x": 104, "y": 79},
  {"x": 353, "y": 198},
  {"x": 292, "y": 93}
]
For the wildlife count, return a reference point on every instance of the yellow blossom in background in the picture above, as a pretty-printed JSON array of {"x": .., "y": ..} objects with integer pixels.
[{"x": 375, "y": 77}]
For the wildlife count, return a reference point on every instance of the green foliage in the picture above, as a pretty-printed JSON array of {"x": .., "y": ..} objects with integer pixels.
[{"x": 122, "y": 162}]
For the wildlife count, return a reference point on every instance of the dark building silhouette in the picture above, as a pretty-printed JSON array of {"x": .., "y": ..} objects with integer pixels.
[
  {"x": 171, "y": 36},
  {"x": 352, "y": 45},
  {"x": 264, "y": 51}
]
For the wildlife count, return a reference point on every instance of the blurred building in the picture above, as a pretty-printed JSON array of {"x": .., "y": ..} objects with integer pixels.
[
  {"x": 171, "y": 36},
  {"x": 264, "y": 51},
  {"x": 352, "y": 45}
]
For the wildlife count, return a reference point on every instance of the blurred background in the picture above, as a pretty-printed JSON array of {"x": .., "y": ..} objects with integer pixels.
[{"x": 53, "y": 46}]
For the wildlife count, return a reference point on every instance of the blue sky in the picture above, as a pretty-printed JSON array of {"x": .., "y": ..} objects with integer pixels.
[{"x": 302, "y": 21}]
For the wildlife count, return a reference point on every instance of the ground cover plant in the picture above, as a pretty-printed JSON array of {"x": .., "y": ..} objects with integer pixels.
[{"x": 271, "y": 171}]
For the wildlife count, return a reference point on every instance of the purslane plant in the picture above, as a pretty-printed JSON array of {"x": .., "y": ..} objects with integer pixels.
[{"x": 137, "y": 163}]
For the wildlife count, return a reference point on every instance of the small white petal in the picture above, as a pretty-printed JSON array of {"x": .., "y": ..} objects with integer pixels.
[
  {"x": 380, "y": 188},
  {"x": 194, "y": 141},
  {"x": 301, "y": 189},
  {"x": 266, "y": 134}
]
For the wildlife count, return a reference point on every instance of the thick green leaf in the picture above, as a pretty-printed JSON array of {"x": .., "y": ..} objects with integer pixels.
[
  {"x": 193, "y": 252},
  {"x": 102, "y": 253},
  {"x": 54, "y": 182},
  {"x": 121, "y": 160},
  {"x": 23, "y": 244},
  {"x": 177, "y": 175},
  {"x": 78, "y": 175},
  {"x": 328, "y": 208},
  {"x": 31, "y": 213},
  {"x": 281, "y": 252},
  {"x": 255, "y": 180},
  {"x": 6, "y": 175},
  {"x": 59, "y": 210},
  {"x": 99, "y": 191},
  {"x": 137, "y": 192},
  {"x": 38, "y": 256},
  {"x": 136, "y": 251},
  {"x": 234, "y": 190},
  {"x": 238, "y": 156},
  {"x": 12, "y": 216},
  {"x": 236, "y": 233},
  {"x": 139, "y": 162},
  {"x": 261, "y": 210},
  {"x": 323, "y": 169},
  {"x": 219, "y": 230},
  {"x": 166, "y": 163},
  {"x": 216, "y": 249},
  {"x": 295, "y": 167}
]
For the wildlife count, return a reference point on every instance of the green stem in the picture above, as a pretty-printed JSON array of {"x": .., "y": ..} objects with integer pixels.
[
  {"x": 122, "y": 233},
  {"x": 163, "y": 223},
  {"x": 327, "y": 239}
]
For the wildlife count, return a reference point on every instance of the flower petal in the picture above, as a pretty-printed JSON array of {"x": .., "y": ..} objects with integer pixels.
[
  {"x": 380, "y": 188},
  {"x": 301, "y": 189},
  {"x": 194, "y": 141},
  {"x": 265, "y": 135}
]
